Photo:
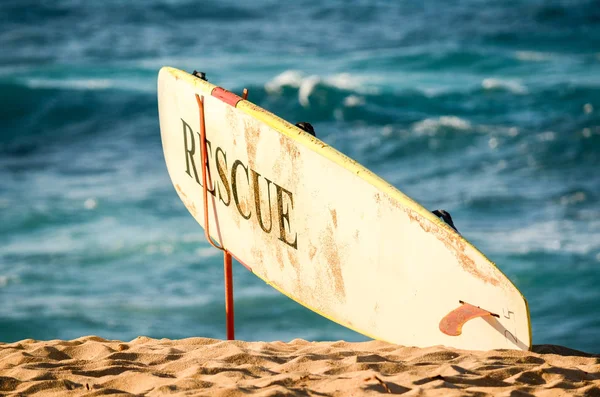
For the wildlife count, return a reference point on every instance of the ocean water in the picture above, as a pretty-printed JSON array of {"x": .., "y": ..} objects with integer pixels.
[{"x": 488, "y": 109}]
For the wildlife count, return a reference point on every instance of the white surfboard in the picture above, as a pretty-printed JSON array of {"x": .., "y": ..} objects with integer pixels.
[{"x": 329, "y": 233}]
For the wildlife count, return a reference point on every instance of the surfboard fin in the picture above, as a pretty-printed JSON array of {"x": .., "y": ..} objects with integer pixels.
[
  {"x": 306, "y": 126},
  {"x": 453, "y": 322},
  {"x": 200, "y": 75},
  {"x": 446, "y": 217}
]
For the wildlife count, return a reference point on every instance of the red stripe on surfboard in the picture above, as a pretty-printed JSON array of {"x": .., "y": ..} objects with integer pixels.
[{"x": 226, "y": 96}]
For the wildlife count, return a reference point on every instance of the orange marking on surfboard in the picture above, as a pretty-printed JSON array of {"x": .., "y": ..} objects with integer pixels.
[{"x": 453, "y": 322}]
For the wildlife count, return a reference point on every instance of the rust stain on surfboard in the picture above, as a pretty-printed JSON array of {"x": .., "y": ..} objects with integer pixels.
[
  {"x": 293, "y": 261},
  {"x": 289, "y": 147},
  {"x": 279, "y": 257},
  {"x": 236, "y": 217},
  {"x": 289, "y": 164},
  {"x": 189, "y": 204},
  {"x": 257, "y": 255},
  {"x": 453, "y": 244},
  {"x": 334, "y": 217},
  {"x": 312, "y": 250},
  {"x": 231, "y": 119},
  {"x": 251, "y": 133},
  {"x": 180, "y": 190},
  {"x": 332, "y": 256}
]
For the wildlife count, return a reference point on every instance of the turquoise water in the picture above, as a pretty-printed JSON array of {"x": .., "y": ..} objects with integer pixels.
[{"x": 490, "y": 110}]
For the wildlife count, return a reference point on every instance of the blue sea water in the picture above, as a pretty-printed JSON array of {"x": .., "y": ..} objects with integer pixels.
[{"x": 488, "y": 109}]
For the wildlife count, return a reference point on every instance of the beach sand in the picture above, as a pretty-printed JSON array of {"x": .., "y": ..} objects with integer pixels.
[{"x": 93, "y": 366}]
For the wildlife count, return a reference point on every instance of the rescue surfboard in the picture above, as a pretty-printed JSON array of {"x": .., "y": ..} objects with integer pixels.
[{"x": 329, "y": 233}]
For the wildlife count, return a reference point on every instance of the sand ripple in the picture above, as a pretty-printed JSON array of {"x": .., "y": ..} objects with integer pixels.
[{"x": 94, "y": 366}]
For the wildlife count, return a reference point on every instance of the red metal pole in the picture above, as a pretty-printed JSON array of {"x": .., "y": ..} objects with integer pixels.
[
  {"x": 227, "y": 270},
  {"x": 229, "y": 317}
]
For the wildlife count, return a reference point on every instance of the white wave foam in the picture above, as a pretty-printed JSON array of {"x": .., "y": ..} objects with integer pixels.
[
  {"x": 206, "y": 252},
  {"x": 290, "y": 78},
  {"x": 10, "y": 279},
  {"x": 573, "y": 198},
  {"x": 546, "y": 136},
  {"x": 129, "y": 84},
  {"x": 78, "y": 84},
  {"x": 192, "y": 238},
  {"x": 354, "y": 101},
  {"x": 344, "y": 81},
  {"x": 306, "y": 88},
  {"x": 307, "y": 83},
  {"x": 295, "y": 79},
  {"x": 430, "y": 126},
  {"x": 164, "y": 248},
  {"x": 90, "y": 203},
  {"x": 510, "y": 85},
  {"x": 550, "y": 236},
  {"x": 533, "y": 56}
]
